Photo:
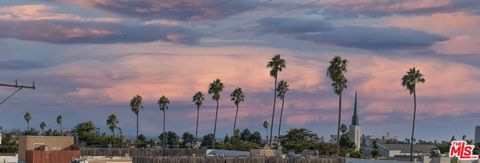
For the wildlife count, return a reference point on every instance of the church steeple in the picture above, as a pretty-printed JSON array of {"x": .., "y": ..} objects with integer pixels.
[{"x": 355, "y": 116}]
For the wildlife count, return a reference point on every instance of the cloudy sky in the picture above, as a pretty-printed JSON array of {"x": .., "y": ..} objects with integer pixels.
[{"x": 88, "y": 58}]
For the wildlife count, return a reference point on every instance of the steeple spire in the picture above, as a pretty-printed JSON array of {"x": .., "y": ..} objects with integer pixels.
[{"x": 355, "y": 116}]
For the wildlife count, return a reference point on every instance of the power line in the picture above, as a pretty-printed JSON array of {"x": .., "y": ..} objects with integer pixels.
[
  {"x": 246, "y": 23},
  {"x": 19, "y": 87}
]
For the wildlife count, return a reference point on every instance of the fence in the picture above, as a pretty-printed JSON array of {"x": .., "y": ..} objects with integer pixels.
[
  {"x": 147, "y": 159},
  {"x": 51, "y": 156},
  {"x": 142, "y": 152}
]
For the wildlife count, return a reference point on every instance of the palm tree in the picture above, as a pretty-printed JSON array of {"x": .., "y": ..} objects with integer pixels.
[
  {"x": 112, "y": 125},
  {"x": 59, "y": 122},
  {"x": 410, "y": 81},
  {"x": 136, "y": 105},
  {"x": 215, "y": 88},
  {"x": 237, "y": 97},
  {"x": 27, "y": 118},
  {"x": 336, "y": 71},
  {"x": 282, "y": 91},
  {"x": 265, "y": 125},
  {"x": 42, "y": 126},
  {"x": 163, "y": 105},
  {"x": 276, "y": 65},
  {"x": 198, "y": 99}
]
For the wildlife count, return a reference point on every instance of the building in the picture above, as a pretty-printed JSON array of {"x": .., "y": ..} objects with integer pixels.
[
  {"x": 399, "y": 150},
  {"x": 477, "y": 134},
  {"x": 384, "y": 139},
  {"x": 355, "y": 131},
  {"x": 32, "y": 149}
]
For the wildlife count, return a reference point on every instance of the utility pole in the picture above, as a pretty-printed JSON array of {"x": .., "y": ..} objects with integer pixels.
[{"x": 18, "y": 87}]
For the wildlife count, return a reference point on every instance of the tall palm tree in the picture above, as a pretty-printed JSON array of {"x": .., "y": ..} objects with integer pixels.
[
  {"x": 198, "y": 99},
  {"x": 136, "y": 105},
  {"x": 163, "y": 105},
  {"x": 215, "y": 88},
  {"x": 265, "y": 125},
  {"x": 276, "y": 65},
  {"x": 59, "y": 122},
  {"x": 27, "y": 118},
  {"x": 42, "y": 126},
  {"x": 336, "y": 71},
  {"x": 237, "y": 97},
  {"x": 282, "y": 89},
  {"x": 409, "y": 81},
  {"x": 112, "y": 122}
]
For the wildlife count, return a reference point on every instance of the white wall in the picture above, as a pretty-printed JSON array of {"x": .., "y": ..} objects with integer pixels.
[{"x": 9, "y": 159}]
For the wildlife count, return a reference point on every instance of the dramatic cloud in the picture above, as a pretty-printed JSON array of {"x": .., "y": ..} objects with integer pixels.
[
  {"x": 361, "y": 37},
  {"x": 19, "y": 65},
  {"x": 169, "y": 9},
  {"x": 284, "y": 25},
  {"x": 42, "y": 23},
  {"x": 381, "y": 8},
  {"x": 374, "y": 38},
  {"x": 60, "y": 32},
  {"x": 36, "y": 12}
]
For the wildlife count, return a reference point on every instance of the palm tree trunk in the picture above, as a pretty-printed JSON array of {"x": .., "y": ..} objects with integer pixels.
[
  {"x": 61, "y": 130},
  {"x": 113, "y": 135},
  {"x": 338, "y": 124},
  {"x": 215, "y": 127},
  {"x": 164, "y": 133},
  {"x": 280, "y": 122},
  {"x": 196, "y": 128},
  {"x": 273, "y": 112},
  {"x": 28, "y": 125},
  {"x": 413, "y": 125},
  {"x": 136, "y": 138},
  {"x": 235, "y": 122}
]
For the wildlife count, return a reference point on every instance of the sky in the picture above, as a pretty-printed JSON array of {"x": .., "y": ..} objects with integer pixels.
[{"x": 89, "y": 58}]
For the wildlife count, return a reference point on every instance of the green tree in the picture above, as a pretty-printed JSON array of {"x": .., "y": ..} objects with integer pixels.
[
  {"x": 255, "y": 138},
  {"x": 42, "y": 126},
  {"x": 136, "y": 105},
  {"x": 299, "y": 139},
  {"x": 237, "y": 97},
  {"x": 375, "y": 152},
  {"x": 141, "y": 141},
  {"x": 215, "y": 88},
  {"x": 112, "y": 123},
  {"x": 276, "y": 65},
  {"x": 346, "y": 141},
  {"x": 86, "y": 132},
  {"x": 27, "y": 118},
  {"x": 170, "y": 139},
  {"x": 245, "y": 134},
  {"x": 208, "y": 140},
  {"x": 59, "y": 123},
  {"x": 198, "y": 99},
  {"x": 282, "y": 89},
  {"x": 409, "y": 81},
  {"x": 163, "y": 105},
  {"x": 188, "y": 139},
  {"x": 336, "y": 71}
]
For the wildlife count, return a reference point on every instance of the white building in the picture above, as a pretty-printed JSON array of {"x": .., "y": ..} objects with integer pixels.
[{"x": 355, "y": 131}]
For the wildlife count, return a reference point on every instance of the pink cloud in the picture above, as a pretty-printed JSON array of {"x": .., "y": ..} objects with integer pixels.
[
  {"x": 460, "y": 26},
  {"x": 460, "y": 45},
  {"x": 37, "y": 12}
]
